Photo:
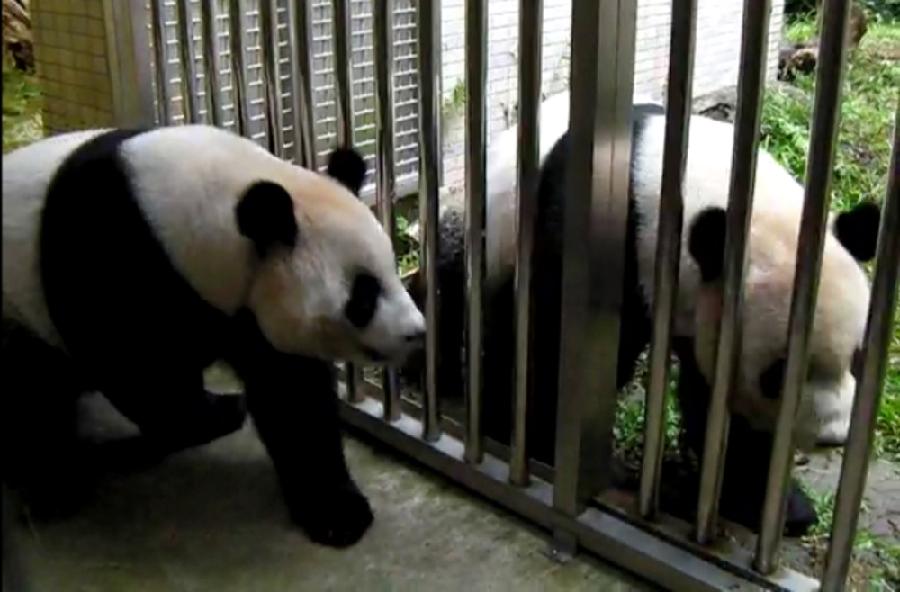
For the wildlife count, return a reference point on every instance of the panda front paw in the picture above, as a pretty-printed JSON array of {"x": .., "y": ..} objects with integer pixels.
[{"x": 335, "y": 517}]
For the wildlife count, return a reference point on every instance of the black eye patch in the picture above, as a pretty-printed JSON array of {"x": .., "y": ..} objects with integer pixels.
[
  {"x": 772, "y": 379},
  {"x": 363, "y": 301}
]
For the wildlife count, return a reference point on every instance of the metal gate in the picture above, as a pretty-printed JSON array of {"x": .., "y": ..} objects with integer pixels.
[{"x": 298, "y": 76}]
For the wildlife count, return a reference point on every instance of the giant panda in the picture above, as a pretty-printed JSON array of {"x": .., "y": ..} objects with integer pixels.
[
  {"x": 133, "y": 259},
  {"x": 840, "y": 314}
]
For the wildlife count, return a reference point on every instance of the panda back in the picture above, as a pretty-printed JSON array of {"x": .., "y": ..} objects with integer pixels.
[{"x": 27, "y": 173}]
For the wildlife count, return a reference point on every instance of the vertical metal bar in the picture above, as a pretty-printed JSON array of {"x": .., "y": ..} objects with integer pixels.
[
  {"x": 429, "y": 155},
  {"x": 271, "y": 77},
  {"x": 342, "y": 67},
  {"x": 161, "y": 55},
  {"x": 531, "y": 21},
  {"x": 301, "y": 72},
  {"x": 810, "y": 243},
  {"x": 188, "y": 61},
  {"x": 127, "y": 37},
  {"x": 668, "y": 246},
  {"x": 882, "y": 309},
  {"x": 476, "y": 136},
  {"x": 344, "y": 92},
  {"x": 238, "y": 72},
  {"x": 754, "y": 48},
  {"x": 593, "y": 245},
  {"x": 383, "y": 48},
  {"x": 212, "y": 84}
]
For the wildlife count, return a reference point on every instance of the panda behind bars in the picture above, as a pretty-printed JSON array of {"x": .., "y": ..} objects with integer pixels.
[
  {"x": 132, "y": 260},
  {"x": 835, "y": 341}
]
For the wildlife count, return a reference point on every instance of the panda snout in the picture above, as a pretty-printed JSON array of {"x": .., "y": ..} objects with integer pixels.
[{"x": 415, "y": 338}]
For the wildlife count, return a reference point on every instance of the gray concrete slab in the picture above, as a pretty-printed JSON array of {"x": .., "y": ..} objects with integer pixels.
[{"x": 212, "y": 519}]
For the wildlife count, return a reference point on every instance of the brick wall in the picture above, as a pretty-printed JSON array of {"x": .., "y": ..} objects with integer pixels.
[{"x": 72, "y": 65}]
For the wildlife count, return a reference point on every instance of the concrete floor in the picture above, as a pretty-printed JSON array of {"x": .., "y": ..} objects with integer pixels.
[{"x": 212, "y": 519}]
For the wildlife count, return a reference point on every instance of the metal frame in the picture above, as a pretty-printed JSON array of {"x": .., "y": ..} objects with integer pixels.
[{"x": 646, "y": 542}]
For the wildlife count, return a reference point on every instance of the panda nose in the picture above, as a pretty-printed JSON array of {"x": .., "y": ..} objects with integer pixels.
[{"x": 416, "y": 337}]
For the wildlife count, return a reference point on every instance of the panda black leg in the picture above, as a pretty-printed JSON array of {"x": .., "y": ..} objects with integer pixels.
[
  {"x": 294, "y": 405},
  {"x": 747, "y": 457},
  {"x": 42, "y": 456},
  {"x": 173, "y": 411}
]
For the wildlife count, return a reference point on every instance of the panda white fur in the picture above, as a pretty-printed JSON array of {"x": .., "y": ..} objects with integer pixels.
[
  {"x": 839, "y": 321},
  {"x": 134, "y": 259}
]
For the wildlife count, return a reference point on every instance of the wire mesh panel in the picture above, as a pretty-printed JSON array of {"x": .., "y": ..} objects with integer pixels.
[{"x": 166, "y": 24}]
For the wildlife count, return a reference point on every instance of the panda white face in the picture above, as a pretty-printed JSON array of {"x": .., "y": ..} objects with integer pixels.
[
  {"x": 838, "y": 324},
  {"x": 326, "y": 284}
]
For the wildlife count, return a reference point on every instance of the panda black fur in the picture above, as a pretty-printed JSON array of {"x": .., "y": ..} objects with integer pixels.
[
  {"x": 843, "y": 300},
  {"x": 134, "y": 259}
]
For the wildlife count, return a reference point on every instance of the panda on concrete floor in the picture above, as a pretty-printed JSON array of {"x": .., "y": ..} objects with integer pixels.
[
  {"x": 840, "y": 314},
  {"x": 132, "y": 260}
]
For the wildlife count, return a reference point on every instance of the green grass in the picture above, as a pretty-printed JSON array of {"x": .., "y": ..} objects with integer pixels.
[
  {"x": 21, "y": 108},
  {"x": 862, "y": 159},
  {"x": 876, "y": 559}
]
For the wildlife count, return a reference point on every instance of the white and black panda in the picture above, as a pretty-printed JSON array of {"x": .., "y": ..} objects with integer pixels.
[
  {"x": 132, "y": 260},
  {"x": 839, "y": 319}
]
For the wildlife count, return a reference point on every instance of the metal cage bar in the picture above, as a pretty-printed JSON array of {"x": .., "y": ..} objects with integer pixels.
[
  {"x": 344, "y": 104},
  {"x": 238, "y": 74},
  {"x": 668, "y": 246},
  {"x": 188, "y": 61},
  {"x": 301, "y": 72},
  {"x": 429, "y": 187},
  {"x": 603, "y": 38},
  {"x": 810, "y": 244},
  {"x": 882, "y": 309},
  {"x": 161, "y": 57},
  {"x": 383, "y": 44},
  {"x": 476, "y": 20},
  {"x": 212, "y": 80},
  {"x": 754, "y": 46},
  {"x": 271, "y": 78},
  {"x": 531, "y": 17}
]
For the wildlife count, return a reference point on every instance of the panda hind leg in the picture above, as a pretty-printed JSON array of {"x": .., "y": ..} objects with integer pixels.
[
  {"x": 173, "y": 410},
  {"x": 747, "y": 456},
  {"x": 43, "y": 459}
]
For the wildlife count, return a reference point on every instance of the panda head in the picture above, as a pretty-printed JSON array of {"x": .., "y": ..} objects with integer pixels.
[
  {"x": 838, "y": 324},
  {"x": 324, "y": 281}
]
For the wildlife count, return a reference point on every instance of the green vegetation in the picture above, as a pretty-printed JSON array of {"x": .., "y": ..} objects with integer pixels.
[
  {"x": 862, "y": 159},
  {"x": 21, "y": 107}
]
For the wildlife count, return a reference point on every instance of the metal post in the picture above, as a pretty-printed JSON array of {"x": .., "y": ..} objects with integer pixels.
[
  {"x": 476, "y": 136},
  {"x": 754, "y": 48},
  {"x": 344, "y": 92},
  {"x": 342, "y": 67},
  {"x": 188, "y": 61},
  {"x": 810, "y": 243},
  {"x": 238, "y": 78},
  {"x": 531, "y": 20},
  {"x": 212, "y": 81},
  {"x": 161, "y": 56},
  {"x": 882, "y": 309},
  {"x": 668, "y": 246},
  {"x": 301, "y": 72},
  {"x": 271, "y": 77},
  {"x": 593, "y": 245},
  {"x": 383, "y": 43},
  {"x": 429, "y": 155}
]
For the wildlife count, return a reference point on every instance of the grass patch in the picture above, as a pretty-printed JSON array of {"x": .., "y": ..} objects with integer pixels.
[
  {"x": 21, "y": 108},
  {"x": 876, "y": 559},
  {"x": 862, "y": 158}
]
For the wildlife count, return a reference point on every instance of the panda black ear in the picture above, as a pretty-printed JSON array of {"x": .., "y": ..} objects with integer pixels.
[
  {"x": 265, "y": 215},
  {"x": 857, "y": 230},
  {"x": 346, "y": 166},
  {"x": 706, "y": 243}
]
